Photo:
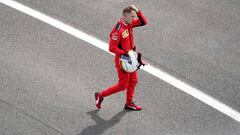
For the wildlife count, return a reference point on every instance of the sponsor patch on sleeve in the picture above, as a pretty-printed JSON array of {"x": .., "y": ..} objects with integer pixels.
[{"x": 114, "y": 36}]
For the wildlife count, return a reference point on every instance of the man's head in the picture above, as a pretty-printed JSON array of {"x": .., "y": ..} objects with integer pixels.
[{"x": 129, "y": 14}]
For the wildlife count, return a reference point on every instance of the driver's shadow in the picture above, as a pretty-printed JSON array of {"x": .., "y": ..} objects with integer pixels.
[{"x": 101, "y": 124}]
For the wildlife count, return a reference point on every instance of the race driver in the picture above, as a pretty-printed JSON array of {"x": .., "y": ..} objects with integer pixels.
[{"x": 121, "y": 41}]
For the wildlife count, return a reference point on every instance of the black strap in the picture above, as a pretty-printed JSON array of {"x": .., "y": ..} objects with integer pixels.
[{"x": 139, "y": 58}]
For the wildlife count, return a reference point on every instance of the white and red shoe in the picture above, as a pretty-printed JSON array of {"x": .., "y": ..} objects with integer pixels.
[
  {"x": 132, "y": 106},
  {"x": 98, "y": 99}
]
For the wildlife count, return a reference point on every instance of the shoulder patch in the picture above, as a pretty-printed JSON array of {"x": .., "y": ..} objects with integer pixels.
[
  {"x": 114, "y": 36},
  {"x": 118, "y": 26}
]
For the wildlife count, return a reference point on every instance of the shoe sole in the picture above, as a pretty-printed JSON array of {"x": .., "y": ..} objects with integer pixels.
[
  {"x": 129, "y": 108},
  {"x": 96, "y": 101}
]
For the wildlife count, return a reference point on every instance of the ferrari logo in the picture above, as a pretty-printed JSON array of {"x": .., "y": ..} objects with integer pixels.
[{"x": 125, "y": 34}]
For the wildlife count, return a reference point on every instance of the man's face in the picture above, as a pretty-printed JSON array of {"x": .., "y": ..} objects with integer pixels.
[{"x": 129, "y": 17}]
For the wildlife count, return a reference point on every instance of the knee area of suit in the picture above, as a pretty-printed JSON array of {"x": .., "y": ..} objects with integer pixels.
[
  {"x": 134, "y": 81},
  {"x": 123, "y": 86}
]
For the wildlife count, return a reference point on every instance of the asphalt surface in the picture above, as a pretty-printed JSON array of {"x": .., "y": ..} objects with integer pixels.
[{"x": 48, "y": 78}]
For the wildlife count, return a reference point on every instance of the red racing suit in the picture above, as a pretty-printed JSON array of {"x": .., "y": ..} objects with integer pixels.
[{"x": 121, "y": 41}]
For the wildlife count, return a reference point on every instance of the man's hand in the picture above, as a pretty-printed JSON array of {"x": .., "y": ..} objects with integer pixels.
[{"x": 135, "y": 8}]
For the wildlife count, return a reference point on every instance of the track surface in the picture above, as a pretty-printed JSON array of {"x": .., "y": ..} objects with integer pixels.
[{"x": 48, "y": 78}]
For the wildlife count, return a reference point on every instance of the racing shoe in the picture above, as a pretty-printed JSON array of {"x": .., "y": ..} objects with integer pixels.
[
  {"x": 98, "y": 99},
  {"x": 133, "y": 107}
]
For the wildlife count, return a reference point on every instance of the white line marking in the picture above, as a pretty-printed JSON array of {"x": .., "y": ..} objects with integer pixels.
[{"x": 149, "y": 68}]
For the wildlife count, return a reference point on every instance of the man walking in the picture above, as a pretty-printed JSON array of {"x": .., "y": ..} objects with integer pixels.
[{"x": 121, "y": 41}]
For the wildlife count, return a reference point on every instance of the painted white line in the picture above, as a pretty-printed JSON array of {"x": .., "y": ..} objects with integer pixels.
[{"x": 149, "y": 68}]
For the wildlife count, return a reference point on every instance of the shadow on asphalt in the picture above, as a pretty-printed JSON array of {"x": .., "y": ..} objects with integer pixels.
[{"x": 101, "y": 125}]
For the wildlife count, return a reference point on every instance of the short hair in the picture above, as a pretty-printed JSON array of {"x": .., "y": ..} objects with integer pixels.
[{"x": 127, "y": 9}]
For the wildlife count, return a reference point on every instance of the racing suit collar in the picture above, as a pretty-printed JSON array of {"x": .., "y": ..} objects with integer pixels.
[{"x": 121, "y": 21}]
